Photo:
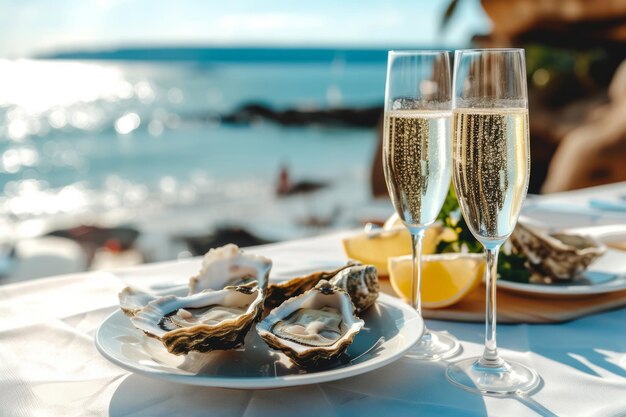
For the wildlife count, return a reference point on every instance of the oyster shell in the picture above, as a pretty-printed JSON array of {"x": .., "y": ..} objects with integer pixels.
[
  {"x": 557, "y": 256},
  {"x": 361, "y": 283},
  {"x": 133, "y": 300},
  {"x": 229, "y": 265},
  {"x": 206, "y": 321},
  {"x": 221, "y": 267},
  {"x": 279, "y": 292},
  {"x": 314, "y": 327}
]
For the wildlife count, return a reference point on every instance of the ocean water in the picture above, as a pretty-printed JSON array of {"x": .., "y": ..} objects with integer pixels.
[{"x": 114, "y": 142}]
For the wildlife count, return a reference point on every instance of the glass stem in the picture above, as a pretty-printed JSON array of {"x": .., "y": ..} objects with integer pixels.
[
  {"x": 490, "y": 356},
  {"x": 416, "y": 270}
]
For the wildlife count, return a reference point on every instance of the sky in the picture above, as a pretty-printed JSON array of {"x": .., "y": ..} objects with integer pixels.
[{"x": 31, "y": 27}]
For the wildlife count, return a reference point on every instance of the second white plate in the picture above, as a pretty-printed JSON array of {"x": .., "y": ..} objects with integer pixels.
[{"x": 605, "y": 275}]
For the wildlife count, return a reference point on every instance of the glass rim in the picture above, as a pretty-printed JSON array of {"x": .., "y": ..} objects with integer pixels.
[
  {"x": 418, "y": 51},
  {"x": 460, "y": 51}
]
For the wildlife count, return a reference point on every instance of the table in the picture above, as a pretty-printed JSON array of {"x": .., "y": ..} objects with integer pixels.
[{"x": 49, "y": 365}]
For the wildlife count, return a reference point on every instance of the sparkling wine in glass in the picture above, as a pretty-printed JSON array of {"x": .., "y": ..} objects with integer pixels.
[
  {"x": 416, "y": 160},
  {"x": 491, "y": 167}
]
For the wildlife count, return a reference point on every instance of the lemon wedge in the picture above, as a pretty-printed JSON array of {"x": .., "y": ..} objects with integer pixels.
[
  {"x": 446, "y": 278},
  {"x": 375, "y": 248}
]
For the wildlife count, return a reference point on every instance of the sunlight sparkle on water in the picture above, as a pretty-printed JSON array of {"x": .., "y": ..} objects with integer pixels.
[
  {"x": 38, "y": 86},
  {"x": 42, "y": 95},
  {"x": 127, "y": 123},
  {"x": 14, "y": 159}
]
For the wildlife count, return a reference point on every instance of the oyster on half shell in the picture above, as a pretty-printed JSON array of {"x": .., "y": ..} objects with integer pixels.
[
  {"x": 314, "y": 327},
  {"x": 202, "y": 322},
  {"x": 229, "y": 265},
  {"x": 221, "y": 267},
  {"x": 557, "y": 256}
]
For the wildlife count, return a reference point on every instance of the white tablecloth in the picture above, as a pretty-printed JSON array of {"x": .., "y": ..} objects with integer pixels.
[{"x": 49, "y": 365}]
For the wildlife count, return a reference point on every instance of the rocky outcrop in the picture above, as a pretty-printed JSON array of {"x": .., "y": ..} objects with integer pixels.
[{"x": 336, "y": 117}]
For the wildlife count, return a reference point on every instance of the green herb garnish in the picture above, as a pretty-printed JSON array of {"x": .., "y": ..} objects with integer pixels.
[{"x": 458, "y": 238}]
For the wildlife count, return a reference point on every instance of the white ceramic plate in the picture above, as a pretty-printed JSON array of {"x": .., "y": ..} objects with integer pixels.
[
  {"x": 257, "y": 366},
  {"x": 605, "y": 275}
]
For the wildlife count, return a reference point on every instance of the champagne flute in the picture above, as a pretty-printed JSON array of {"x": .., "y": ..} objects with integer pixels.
[
  {"x": 416, "y": 160},
  {"x": 491, "y": 166}
]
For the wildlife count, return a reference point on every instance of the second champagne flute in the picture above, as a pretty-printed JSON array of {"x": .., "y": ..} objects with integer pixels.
[
  {"x": 416, "y": 160},
  {"x": 491, "y": 165}
]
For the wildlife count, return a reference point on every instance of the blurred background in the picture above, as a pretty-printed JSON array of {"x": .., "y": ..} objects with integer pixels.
[{"x": 136, "y": 131}]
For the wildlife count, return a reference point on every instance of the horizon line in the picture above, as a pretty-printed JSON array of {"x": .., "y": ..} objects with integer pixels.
[{"x": 225, "y": 52}]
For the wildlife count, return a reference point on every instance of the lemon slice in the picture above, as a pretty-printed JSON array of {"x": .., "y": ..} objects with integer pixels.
[
  {"x": 375, "y": 248},
  {"x": 446, "y": 278}
]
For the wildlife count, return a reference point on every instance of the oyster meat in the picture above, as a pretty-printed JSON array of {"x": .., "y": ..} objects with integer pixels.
[
  {"x": 555, "y": 256},
  {"x": 229, "y": 265},
  {"x": 311, "y": 327},
  {"x": 361, "y": 284},
  {"x": 202, "y": 322},
  {"x": 314, "y": 327}
]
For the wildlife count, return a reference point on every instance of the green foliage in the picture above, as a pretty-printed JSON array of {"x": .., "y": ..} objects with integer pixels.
[
  {"x": 451, "y": 217},
  {"x": 568, "y": 64},
  {"x": 510, "y": 266},
  {"x": 552, "y": 59}
]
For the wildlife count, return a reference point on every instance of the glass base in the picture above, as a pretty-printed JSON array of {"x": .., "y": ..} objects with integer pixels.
[
  {"x": 434, "y": 346},
  {"x": 509, "y": 378}
]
